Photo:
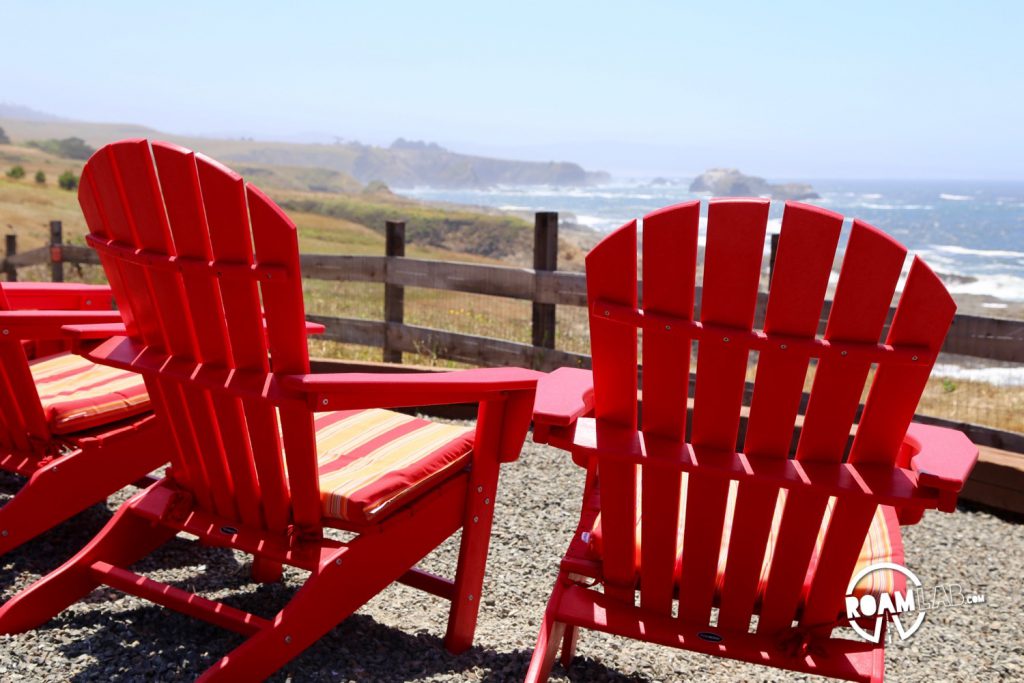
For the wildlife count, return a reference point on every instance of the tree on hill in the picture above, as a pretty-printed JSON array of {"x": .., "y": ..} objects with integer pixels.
[
  {"x": 4, "y": 140},
  {"x": 69, "y": 148},
  {"x": 40, "y": 177},
  {"x": 16, "y": 173},
  {"x": 67, "y": 180}
]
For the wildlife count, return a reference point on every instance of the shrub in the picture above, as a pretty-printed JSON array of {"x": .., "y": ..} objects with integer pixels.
[
  {"x": 69, "y": 148},
  {"x": 4, "y": 140},
  {"x": 16, "y": 172},
  {"x": 40, "y": 177},
  {"x": 67, "y": 181}
]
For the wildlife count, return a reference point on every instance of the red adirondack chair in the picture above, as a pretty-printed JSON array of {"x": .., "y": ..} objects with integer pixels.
[
  {"x": 265, "y": 455},
  {"x": 737, "y": 549},
  {"x": 79, "y": 431}
]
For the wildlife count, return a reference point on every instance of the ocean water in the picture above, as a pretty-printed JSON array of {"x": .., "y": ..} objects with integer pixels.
[{"x": 973, "y": 230}]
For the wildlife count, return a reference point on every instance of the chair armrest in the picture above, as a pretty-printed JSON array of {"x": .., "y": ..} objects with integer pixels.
[
  {"x": 341, "y": 391},
  {"x": 564, "y": 396},
  {"x": 104, "y": 330},
  {"x": 516, "y": 386},
  {"x": 49, "y": 324},
  {"x": 942, "y": 458},
  {"x": 58, "y": 296}
]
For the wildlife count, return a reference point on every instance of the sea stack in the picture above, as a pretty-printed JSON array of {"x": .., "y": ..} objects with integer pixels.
[{"x": 729, "y": 182}]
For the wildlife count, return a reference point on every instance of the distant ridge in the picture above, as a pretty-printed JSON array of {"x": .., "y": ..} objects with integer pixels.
[
  {"x": 404, "y": 164},
  {"x": 17, "y": 111}
]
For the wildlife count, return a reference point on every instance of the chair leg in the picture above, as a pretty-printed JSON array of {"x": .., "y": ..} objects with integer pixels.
[
  {"x": 469, "y": 577},
  {"x": 476, "y": 528},
  {"x": 266, "y": 571},
  {"x": 551, "y": 632},
  {"x": 572, "y": 634},
  {"x": 125, "y": 539},
  {"x": 68, "y": 485}
]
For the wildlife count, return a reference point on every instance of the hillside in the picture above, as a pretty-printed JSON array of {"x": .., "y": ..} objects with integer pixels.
[
  {"x": 402, "y": 164},
  {"x": 334, "y": 213}
]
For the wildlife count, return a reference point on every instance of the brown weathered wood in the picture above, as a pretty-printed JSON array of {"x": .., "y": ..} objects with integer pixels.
[
  {"x": 545, "y": 258},
  {"x": 56, "y": 255},
  {"x": 483, "y": 351},
  {"x": 997, "y": 481},
  {"x": 561, "y": 288},
  {"x": 351, "y": 330},
  {"x": 394, "y": 294},
  {"x": 343, "y": 268},
  {"x": 10, "y": 250},
  {"x": 79, "y": 254},
  {"x": 514, "y": 283},
  {"x": 992, "y": 338}
]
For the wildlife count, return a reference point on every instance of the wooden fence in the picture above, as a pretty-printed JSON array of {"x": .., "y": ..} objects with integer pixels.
[{"x": 543, "y": 285}]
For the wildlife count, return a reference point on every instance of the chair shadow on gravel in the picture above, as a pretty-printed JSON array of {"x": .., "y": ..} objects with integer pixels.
[
  {"x": 149, "y": 643},
  {"x": 127, "y": 639}
]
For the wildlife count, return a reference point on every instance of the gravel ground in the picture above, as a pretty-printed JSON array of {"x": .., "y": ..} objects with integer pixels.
[{"x": 397, "y": 635}]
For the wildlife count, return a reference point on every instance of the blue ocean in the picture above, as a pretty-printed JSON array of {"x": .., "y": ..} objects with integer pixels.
[{"x": 973, "y": 230}]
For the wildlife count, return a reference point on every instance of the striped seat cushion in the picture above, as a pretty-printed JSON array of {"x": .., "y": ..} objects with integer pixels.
[
  {"x": 882, "y": 544},
  {"x": 78, "y": 394},
  {"x": 373, "y": 461}
]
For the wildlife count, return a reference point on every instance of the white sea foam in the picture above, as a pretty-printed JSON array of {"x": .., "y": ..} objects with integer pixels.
[
  {"x": 894, "y": 207},
  {"x": 1006, "y": 287},
  {"x": 1003, "y": 377},
  {"x": 599, "y": 223},
  {"x": 987, "y": 253},
  {"x": 871, "y": 195},
  {"x": 955, "y": 197}
]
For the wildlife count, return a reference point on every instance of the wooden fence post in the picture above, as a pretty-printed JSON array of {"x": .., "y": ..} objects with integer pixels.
[
  {"x": 56, "y": 254},
  {"x": 545, "y": 257},
  {"x": 10, "y": 249},
  {"x": 394, "y": 295}
]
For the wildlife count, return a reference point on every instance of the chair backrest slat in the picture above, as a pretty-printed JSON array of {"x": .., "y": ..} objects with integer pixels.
[
  {"x": 923, "y": 316},
  {"x": 276, "y": 242},
  {"x": 732, "y": 271},
  {"x": 871, "y": 267},
  {"x": 669, "y": 266},
  {"x": 807, "y": 246},
  {"x": 611, "y": 277}
]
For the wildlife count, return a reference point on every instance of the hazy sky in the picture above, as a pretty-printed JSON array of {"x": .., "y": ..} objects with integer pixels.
[{"x": 786, "y": 90}]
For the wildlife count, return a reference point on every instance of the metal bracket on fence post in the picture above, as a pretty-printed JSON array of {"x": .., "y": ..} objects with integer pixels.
[
  {"x": 545, "y": 258},
  {"x": 56, "y": 253},
  {"x": 394, "y": 295},
  {"x": 10, "y": 249}
]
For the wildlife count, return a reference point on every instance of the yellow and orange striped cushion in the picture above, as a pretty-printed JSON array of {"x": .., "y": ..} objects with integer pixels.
[
  {"x": 78, "y": 394},
  {"x": 877, "y": 547},
  {"x": 370, "y": 461}
]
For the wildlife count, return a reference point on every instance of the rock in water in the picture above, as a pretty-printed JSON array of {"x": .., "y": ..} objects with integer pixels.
[{"x": 729, "y": 182}]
